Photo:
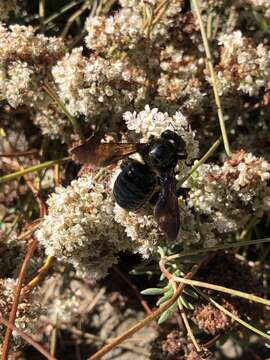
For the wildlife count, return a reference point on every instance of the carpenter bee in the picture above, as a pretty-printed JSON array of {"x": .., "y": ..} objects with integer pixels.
[{"x": 136, "y": 183}]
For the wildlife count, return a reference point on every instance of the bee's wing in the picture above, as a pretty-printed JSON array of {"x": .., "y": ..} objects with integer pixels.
[
  {"x": 102, "y": 154},
  {"x": 167, "y": 210}
]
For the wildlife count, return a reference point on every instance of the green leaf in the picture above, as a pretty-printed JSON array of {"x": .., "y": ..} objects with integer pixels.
[
  {"x": 192, "y": 259},
  {"x": 185, "y": 303},
  {"x": 168, "y": 294},
  {"x": 153, "y": 291},
  {"x": 167, "y": 313},
  {"x": 190, "y": 292}
]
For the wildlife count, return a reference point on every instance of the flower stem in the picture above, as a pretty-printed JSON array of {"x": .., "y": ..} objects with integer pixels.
[
  {"x": 30, "y": 169},
  {"x": 213, "y": 78}
]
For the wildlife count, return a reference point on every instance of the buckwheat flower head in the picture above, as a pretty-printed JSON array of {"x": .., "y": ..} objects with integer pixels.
[
  {"x": 26, "y": 60},
  {"x": 153, "y": 122},
  {"x": 230, "y": 194},
  {"x": 181, "y": 78},
  {"x": 128, "y": 26},
  {"x": 243, "y": 66},
  {"x": 194, "y": 233},
  {"x": 18, "y": 83},
  {"x": 95, "y": 86},
  {"x": 123, "y": 29},
  {"x": 21, "y": 42},
  {"x": 29, "y": 310},
  {"x": 141, "y": 228},
  {"x": 80, "y": 228},
  {"x": 52, "y": 122}
]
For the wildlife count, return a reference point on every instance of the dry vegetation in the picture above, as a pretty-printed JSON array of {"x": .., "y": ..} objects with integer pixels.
[{"x": 82, "y": 278}]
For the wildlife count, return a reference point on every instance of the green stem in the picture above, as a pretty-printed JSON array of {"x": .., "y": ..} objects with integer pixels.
[
  {"x": 202, "y": 160},
  {"x": 59, "y": 13},
  {"x": 223, "y": 289},
  {"x": 72, "y": 119},
  {"x": 213, "y": 78},
  {"x": 42, "y": 14},
  {"x": 30, "y": 169},
  {"x": 219, "y": 247}
]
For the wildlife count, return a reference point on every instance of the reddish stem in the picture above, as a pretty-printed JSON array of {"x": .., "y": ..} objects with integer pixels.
[
  {"x": 28, "y": 339},
  {"x": 12, "y": 314}
]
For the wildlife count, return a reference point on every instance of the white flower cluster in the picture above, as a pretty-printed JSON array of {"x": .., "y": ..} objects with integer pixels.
[
  {"x": 80, "y": 228},
  {"x": 129, "y": 24},
  {"x": 243, "y": 67},
  {"x": 26, "y": 60},
  {"x": 29, "y": 310},
  {"x": 181, "y": 78},
  {"x": 141, "y": 228},
  {"x": 84, "y": 226},
  {"x": 153, "y": 122},
  {"x": 95, "y": 86},
  {"x": 124, "y": 29},
  {"x": 170, "y": 74},
  {"x": 232, "y": 193}
]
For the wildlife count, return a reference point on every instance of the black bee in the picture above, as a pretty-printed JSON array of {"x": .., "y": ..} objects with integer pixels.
[{"x": 137, "y": 181}]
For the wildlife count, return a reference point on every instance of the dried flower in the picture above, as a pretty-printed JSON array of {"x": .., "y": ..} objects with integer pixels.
[
  {"x": 29, "y": 310},
  {"x": 230, "y": 194},
  {"x": 228, "y": 271}
]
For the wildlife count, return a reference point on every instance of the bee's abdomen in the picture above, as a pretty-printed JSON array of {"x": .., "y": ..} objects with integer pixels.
[{"x": 134, "y": 186}]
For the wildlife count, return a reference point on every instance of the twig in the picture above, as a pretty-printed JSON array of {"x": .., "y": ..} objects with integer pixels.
[
  {"x": 201, "y": 161},
  {"x": 30, "y": 169},
  {"x": 41, "y": 273},
  {"x": 219, "y": 247},
  {"x": 95, "y": 338},
  {"x": 27, "y": 338},
  {"x": 139, "y": 325},
  {"x": 134, "y": 288},
  {"x": 19, "y": 153},
  {"x": 56, "y": 174},
  {"x": 252, "y": 222},
  {"x": 12, "y": 315},
  {"x": 73, "y": 17},
  {"x": 42, "y": 14},
  {"x": 41, "y": 205},
  {"x": 59, "y": 13},
  {"x": 29, "y": 232},
  {"x": 95, "y": 300},
  {"x": 185, "y": 321},
  {"x": 213, "y": 78},
  {"x": 206, "y": 285},
  {"x": 54, "y": 333}
]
